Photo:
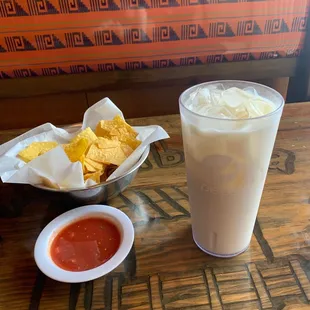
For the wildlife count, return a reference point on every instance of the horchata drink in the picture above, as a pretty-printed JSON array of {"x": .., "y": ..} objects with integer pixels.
[{"x": 229, "y": 129}]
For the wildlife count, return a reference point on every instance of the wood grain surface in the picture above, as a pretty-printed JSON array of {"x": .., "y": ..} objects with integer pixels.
[
  {"x": 165, "y": 269},
  {"x": 112, "y": 80},
  {"x": 34, "y": 111}
]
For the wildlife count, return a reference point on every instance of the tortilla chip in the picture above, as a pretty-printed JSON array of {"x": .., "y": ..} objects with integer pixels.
[
  {"x": 94, "y": 176},
  {"x": 103, "y": 128},
  {"x": 118, "y": 129},
  {"x": 36, "y": 149},
  {"x": 87, "y": 134},
  {"x": 76, "y": 150},
  {"x": 82, "y": 160},
  {"x": 126, "y": 149},
  {"x": 94, "y": 164},
  {"x": 89, "y": 168},
  {"x": 122, "y": 123},
  {"x": 132, "y": 142},
  {"x": 104, "y": 143},
  {"x": 113, "y": 155}
]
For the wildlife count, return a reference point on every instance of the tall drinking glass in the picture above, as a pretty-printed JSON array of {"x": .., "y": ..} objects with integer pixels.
[{"x": 226, "y": 163}]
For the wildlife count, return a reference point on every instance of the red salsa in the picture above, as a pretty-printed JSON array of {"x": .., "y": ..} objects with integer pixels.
[{"x": 85, "y": 244}]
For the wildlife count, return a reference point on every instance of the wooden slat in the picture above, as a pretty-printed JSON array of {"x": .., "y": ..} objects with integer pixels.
[
  {"x": 231, "y": 276},
  {"x": 236, "y": 286},
  {"x": 302, "y": 278},
  {"x": 134, "y": 102},
  {"x": 274, "y": 272},
  {"x": 260, "y": 287},
  {"x": 213, "y": 290},
  {"x": 280, "y": 281},
  {"x": 155, "y": 293},
  {"x": 250, "y": 70},
  {"x": 283, "y": 291},
  {"x": 98, "y": 294},
  {"x": 232, "y": 298},
  {"x": 31, "y": 112}
]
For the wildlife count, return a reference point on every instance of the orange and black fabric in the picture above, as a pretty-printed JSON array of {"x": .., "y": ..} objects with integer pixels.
[{"x": 54, "y": 37}]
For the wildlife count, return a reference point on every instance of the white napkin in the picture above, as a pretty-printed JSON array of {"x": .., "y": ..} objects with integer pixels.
[{"x": 54, "y": 167}]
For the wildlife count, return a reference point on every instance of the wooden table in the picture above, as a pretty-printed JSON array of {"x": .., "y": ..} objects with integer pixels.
[{"x": 165, "y": 269}]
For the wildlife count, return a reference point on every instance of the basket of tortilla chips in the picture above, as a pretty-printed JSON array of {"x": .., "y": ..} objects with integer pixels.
[{"x": 91, "y": 162}]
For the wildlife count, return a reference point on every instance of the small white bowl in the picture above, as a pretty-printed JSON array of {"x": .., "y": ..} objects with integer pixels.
[{"x": 42, "y": 247}]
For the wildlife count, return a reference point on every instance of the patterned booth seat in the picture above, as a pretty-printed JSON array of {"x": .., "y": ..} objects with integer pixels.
[{"x": 61, "y": 37}]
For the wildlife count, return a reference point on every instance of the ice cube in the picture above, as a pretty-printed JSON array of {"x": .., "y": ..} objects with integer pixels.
[
  {"x": 193, "y": 100},
  {"x": 226, "y": 112},
  {"x": 214, "y": 112},
  {"x": 203, "y": 96},
  {"x": 216, "y": 92},
  {"x": 251, "y": 90},
  {"x": 241, "y": 112},
  {"x": 202, "y": 109},
  {"x": 266, "y": 106},
  {"x": 259, "y": 106},
  {"x": 199, "y": 101},
  {"x": 253, "y": 109},
  {"x": 218, "y": 86},
  {"x": 194, "y": 94},
  {"x": 204, "y": 92},
  {"x": 234, "y": 97},
  {"x": 219, "y": 112},
  {"x": 232, "y": 103}
]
